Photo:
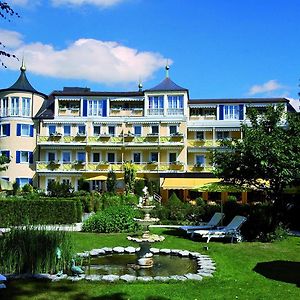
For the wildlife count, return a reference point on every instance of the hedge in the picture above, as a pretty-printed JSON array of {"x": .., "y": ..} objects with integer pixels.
[{"x": 22, "y": 211}]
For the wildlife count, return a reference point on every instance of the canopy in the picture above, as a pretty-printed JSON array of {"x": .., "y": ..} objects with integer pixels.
[
  {"x": 186, "y": 183},
  {"x": 5, "y": 185},
  {"x": 220, "y": 187},
  {"x": 97, "y": 177}
]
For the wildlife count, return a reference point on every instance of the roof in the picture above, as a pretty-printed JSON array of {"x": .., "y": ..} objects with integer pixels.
[
  {"x": 46, "y": 111},
  {"x": 167, "y": 85},
  {"x": 238, "y": 100},
  {"x": 22, "y": 84}
]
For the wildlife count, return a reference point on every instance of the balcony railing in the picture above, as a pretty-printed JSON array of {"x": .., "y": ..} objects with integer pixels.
[
  {"x": 203, "y": 143},
  {"x": 155, "y": 111},
  {"x": 175, "y": 111}
]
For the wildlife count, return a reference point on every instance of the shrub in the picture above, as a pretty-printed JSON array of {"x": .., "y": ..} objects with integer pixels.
[
  {"x": 29, "y": 250},
  {"x": 83, "y": 185},
  {"x": 56, "y": 189},
  {"x": 27, "y": 189},
  {"x": 138, "y": 187},
  {"x": 111, "y": 182},
  {"x": 112, "y": 219},
  {"x": 15, "y": 211}
]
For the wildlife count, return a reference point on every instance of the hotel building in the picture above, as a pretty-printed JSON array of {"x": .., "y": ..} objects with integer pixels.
[{"x": 78, "y": 133}]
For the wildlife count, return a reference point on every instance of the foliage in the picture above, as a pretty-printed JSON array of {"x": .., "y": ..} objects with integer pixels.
[
  {"x": 267, "y": 158},
  {"x": 30, "y": 250},
  {"x": 57, "y": 189},
  {"x": 83, "y": 185},
  {"x": 129, "y": 177},
  {"x": 16, "y": 188},
  {"x": 112, "y": 219},
  {"x": 19, "y": 211},
  {"x": 4, "y": 160},
  {"x": 138, "y": 187},
  {"x": 27, "y": 189},
  {"x": 111, "y": 182},
  {"x": 109, "y": 199},
  {"x": 5, "y": 12}
]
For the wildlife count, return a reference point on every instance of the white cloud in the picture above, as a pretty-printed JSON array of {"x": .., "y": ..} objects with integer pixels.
[
  {"x": 269, "y": 86},
  {"x": 100, "y": 3},
  {"x": 88, "y": 59},
  {"x": 14, "y": 3},
  {"x": 10, "y": 39}
]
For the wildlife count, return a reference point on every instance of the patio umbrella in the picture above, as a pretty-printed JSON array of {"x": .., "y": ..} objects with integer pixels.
[
  {"x": 2, "y": 277},
  {"x": 5, "y": 185}
]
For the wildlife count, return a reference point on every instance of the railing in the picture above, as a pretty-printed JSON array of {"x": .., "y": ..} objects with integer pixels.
[
  {"x": 203, "y": 143},
  {"x": 195, "y": 168},
  {"x": 175, "y": 111},
  {"x": 204, "y": 117},
  {"x": 5, "y": 112},
  {"x": 144, "y": 167},
  {"x": 155, "y": 111}
]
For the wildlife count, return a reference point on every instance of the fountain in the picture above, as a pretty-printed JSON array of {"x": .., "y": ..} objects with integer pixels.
[{"x": 145, "y": 256}]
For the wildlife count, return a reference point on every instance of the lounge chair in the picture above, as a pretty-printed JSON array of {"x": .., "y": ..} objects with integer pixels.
[
  {"x": 232, "y": 230},
  {"x": 214, "y": 222}
]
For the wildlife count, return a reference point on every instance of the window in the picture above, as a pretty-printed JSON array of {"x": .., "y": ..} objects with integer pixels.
[
  {"x": 81, "y": 156},
  {"x": 154, "y": 156},
  {"x": 173, "y": 129},
  {"x": 23, "y": 181},
  {"x": 137, "y": 157},
  {"x": 25, "y": 130},
  {"x": 111, "y": 157},
  {"x": 96, "y": 107},
  {"x": 156, "y": 105},
  {"x": 112, "y": 130},
  {"x": 137, "y": 130},
  {"x": 4, "y": 107},
  {"x": 96, "y": 185},
  {"x": 51, "y": 156},
  {"x": 199, "y": 135},
  {"x": 154, "y": 129},
  {"x": 4, "y": 130},
  {"x": 51, "y": 129},
  {"x": 96, "y": 157},
  {"x": 14, "y": 105},
  {"x": 67, "y": 130},
  {"x": 97, "y": 130},
  {"x": 200, "y": 160},
  {"x": 81, "y": 129},
  {"x": 24, "y": 156},
  {"x": 172, "y": 157},
  {"x": 231, "y": 112},
  {"x": 66, "y": 181},
  {"x": 25, "y": 107},
  {"x": 49, "y": 180},
  {"x": 222, "y": 135},
  {"x": 66, "y": 157},
  {"x": 5, "y": 153}
]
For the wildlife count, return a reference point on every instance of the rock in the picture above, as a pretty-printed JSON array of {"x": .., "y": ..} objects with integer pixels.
[
  {"x": 128, "y": 278},
  {"x": 204, "y": 274},
  {"x": 129, "y": 250},
  {"x": 2, "y": 286},
  {"x": 145, "y": 278},
  {"x": 184, "y": 253},
  {"x": 93, "y": 277},
  {"x": 162, "y": 278},
  {"x": 110, "y": 278},
  {"x": 77, "y": 278},
  {"x": 107, "y": 249},
  {"x": 178, "y": 277},
  {"x": 97, "y": 252},
  {"x": 175, "y": 251},
  {"x": 85, "y": 254},
  {"x": 154, "y": 250},
  {"x": 195, "y": 254},
  {"x": 193, "y": 276},
  {"x": 165, "y": 251},
  {"x": 118, "y": 249}
]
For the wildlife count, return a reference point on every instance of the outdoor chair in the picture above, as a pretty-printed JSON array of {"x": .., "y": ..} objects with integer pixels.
[
  {"x": 232, "y": 230},
  {"x": 214, "y": 222}
]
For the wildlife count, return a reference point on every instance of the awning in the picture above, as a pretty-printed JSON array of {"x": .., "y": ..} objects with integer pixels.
[
  {"x": 186, "y": 183},
  {"x": 219, "y": 187},
  {"x": 200, "y": 129},
  {"x": 98, "y": 177},
  {"x": 228, "y": 129}
]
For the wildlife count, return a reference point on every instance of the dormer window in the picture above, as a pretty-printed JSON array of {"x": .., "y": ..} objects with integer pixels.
[
  {"x": 156, "y": 105},
  {"x": 175, "y": 105}
]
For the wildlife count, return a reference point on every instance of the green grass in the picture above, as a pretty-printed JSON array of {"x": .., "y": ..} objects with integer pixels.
[{"x": 234, "y": 278}]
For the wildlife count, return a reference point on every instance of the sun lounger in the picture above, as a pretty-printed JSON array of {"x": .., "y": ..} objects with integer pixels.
[
  {"x": 214, "y": 222},
  {"x": 232, "y": 230}
]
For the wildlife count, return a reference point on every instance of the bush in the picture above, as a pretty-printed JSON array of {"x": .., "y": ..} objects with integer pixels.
[
  {"x": 138, "y": 187},
  {"x": 29, "y": 250},
  {"x": 83, "y": 185},
  {"x": 112, "y": 219},
  {"x": 56, "y": 189},
  {"x": 17, "y": 211}
]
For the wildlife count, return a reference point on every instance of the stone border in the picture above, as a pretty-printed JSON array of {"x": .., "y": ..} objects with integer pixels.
[{"x": 205, "y": 267}]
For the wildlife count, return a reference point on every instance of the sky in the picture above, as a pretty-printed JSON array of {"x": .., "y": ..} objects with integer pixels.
[{"x": 215, "y": 48}]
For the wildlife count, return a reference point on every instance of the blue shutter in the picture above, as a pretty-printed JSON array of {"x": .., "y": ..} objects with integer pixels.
[
  {"x": 241, "y": 112},
  {"x": 31, "y": 130},
  {"x": 104, "y": 108},
  {"x": 18, "y": 158},
  {"x": 31, "y": 157},
  {"x": 6, "y": 153},
  {"x": 18, "y": 181},
  {"x": 221, "y": 112},
  {"x": 84, "y": 108},
  {"x": 7, "y": 130},
  {"x": 30, "y": 181},
  {"x": 18, "y": 129}
]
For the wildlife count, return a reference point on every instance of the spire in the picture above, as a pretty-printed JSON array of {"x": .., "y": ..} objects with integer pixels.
[
  {"x": 23, "y": 67},
  {"x": 140, "y": 85},
  {"x": 167, "y": 69}
]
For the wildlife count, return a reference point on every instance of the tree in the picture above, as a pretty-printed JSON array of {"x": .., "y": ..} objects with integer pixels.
[
  {"x": 5, "y": 12},
  {"x": 111, "y": 182},
  {"x": 267, "y": 158},
  {"x": 129, "y": 177},
  {"x": 4, "y": 160}
]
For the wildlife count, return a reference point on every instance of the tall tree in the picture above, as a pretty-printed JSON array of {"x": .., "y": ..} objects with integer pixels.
[
  {"x": 129, "y": 177},
  {"x": 267, "y": 157},
  {"x": 6, "y": 12}
]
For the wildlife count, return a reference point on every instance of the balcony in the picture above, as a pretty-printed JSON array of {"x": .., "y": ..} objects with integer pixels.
[
  {"x": 203, "y": 143},
  {"x": 203, "y": 117},
  {"x": 199, "y": 168}
]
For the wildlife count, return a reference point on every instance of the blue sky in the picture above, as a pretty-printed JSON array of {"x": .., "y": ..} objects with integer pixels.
[{"x": 216, "y": 48}]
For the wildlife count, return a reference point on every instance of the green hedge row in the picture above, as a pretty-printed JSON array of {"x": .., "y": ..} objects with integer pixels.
[{"x": 20, "y": 212}]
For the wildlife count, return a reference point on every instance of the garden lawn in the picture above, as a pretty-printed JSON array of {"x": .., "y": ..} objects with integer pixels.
[{"x": 234, "y": 278}]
